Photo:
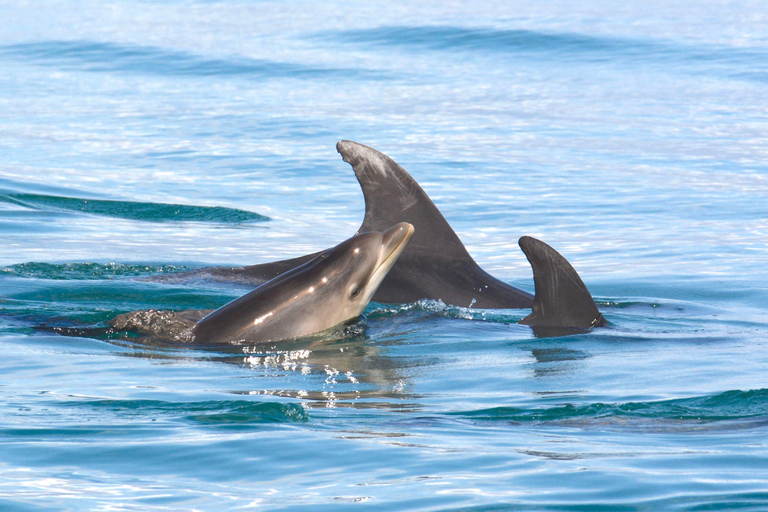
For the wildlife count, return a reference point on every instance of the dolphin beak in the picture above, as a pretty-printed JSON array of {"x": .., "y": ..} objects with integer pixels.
[{"x": 394, "y": 242}]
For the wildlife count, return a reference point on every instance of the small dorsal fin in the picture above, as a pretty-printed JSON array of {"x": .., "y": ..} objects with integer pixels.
[{"x": 562, "y": 300}]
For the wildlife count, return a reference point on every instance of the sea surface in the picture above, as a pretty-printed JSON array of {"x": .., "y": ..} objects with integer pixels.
[{"x": 141, "y": 138}]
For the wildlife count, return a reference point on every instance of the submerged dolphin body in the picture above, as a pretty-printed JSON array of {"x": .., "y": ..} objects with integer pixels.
[{"x": 333, "y": 287}]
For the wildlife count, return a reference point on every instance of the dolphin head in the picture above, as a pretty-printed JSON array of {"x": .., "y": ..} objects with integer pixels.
[{"x": 350, "y": 273}]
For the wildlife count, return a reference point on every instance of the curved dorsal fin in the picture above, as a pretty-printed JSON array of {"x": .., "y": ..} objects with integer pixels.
[
  {"x": 562, "y": 299},
  {"x": 435, "y": 265},
  {"x": 392, "y": 196}
]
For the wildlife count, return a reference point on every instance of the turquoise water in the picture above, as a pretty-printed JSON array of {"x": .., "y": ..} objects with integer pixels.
[{"x": 143, "y": 138}]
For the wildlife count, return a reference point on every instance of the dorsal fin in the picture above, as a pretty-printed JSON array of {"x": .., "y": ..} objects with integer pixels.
[
  {"x": 392, "y": 195},
  {"x": 435, "y": 265},
  {"x": 562, "y": 299}
]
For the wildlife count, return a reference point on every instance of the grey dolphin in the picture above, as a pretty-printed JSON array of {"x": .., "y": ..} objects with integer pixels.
[
  {"x": 435, "y": 265},
  {"x": 333, "y": 287}
]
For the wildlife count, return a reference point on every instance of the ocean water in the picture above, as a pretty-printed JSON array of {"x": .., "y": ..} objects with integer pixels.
[{"x": 142, "y": 138}]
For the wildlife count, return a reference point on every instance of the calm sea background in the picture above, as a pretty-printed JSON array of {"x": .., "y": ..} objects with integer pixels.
[{"x": 141, "y": 138}]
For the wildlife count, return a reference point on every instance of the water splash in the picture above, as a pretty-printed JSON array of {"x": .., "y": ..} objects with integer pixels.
[{"x": 440, "y": 308}]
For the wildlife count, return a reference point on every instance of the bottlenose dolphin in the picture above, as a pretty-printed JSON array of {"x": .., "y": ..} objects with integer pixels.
[
  {"x": 332, "y": 288},
  {"x": 435, "y": 265}
]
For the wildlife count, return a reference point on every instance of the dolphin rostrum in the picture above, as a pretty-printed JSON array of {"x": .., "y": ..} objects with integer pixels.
[{"x": 333, "y": 287}]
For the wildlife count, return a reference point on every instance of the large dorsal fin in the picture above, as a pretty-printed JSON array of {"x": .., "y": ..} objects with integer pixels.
[
  {"x": 562, "y": 300},
  {"x": 435, "y": 265},
  {"x": 392, "y": 196}
]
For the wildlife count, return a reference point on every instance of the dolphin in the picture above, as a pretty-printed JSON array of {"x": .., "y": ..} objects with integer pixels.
[
  {"x": 435, "y": 265},
  {"x": 330, "y": 289}
]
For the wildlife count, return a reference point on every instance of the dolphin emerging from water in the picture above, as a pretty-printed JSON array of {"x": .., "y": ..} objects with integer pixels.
[
  {"x": 436, "y": 265},
  {"x": 330, "y": 289}
]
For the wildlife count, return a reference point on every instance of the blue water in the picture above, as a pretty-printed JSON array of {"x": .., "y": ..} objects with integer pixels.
[{"x": 143, "y": 138}]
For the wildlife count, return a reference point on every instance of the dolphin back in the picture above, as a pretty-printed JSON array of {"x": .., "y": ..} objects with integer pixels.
[{"x": 435, "y": 265}]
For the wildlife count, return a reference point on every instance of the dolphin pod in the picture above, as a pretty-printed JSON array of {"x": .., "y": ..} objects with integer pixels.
[
  {"x": 328, "y": 290},
  {"x": 430, "y": 263},
  {"x": 436, "y": 265}
]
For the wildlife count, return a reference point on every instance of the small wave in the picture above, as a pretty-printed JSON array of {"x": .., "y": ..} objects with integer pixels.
[
  {"x": 734, "y": 62},
  {"x": 213, "y": 412},
  {"x": 131, "y": 210},
  {"x": 85, "y": 271},
  {"x": 727, "y": 406},
  {"x": 105, "y": 56},
  {"x": 491, "y": 40}
]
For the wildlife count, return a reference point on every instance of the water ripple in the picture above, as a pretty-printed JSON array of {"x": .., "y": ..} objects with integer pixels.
[
  {"x": 132, "y": 210},
  {"x": 727, "y": 406},
  {"x": 109, "y": 57},
  {"x": 213, "y": 412},
  {"x": 734, "y": 62},
  {"x": 85, "y": 271}
]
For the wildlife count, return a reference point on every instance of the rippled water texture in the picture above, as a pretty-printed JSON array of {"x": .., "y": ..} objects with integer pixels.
[{"x": 142, "y": 139}]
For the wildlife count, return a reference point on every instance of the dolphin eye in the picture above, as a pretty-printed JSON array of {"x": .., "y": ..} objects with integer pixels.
[{"x": 355, "y": 292}]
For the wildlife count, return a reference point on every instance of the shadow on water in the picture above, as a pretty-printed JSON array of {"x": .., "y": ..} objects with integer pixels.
[
  {"x": 354, "y": 373},
  {"x": 556, "y": 361},
  {"x": 549, "y": 331}
]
